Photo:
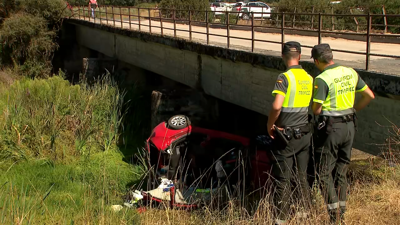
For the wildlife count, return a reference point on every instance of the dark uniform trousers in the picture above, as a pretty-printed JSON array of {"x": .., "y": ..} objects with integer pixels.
[
  {"x": 290, "y": 161},
  {"x": 332, "y": 156}
]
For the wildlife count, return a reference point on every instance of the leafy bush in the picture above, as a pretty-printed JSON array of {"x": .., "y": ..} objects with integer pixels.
[
  {"x": 345, "y": 7},
  {"x": 51, "y": 10},
  {"x": 28, "y": 34},
  {"x": 192, "y": 5},
  {"x": 26, "y": 40},
  {"x": 375, "y": 7},
  {"x": 303, "y": 5},
  {"x": 109, "y": 2}
]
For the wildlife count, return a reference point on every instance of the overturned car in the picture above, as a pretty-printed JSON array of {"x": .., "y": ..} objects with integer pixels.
[{"x": 189, "y": 163}]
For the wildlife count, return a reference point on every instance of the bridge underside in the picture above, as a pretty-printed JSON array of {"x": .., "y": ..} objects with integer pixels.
[{"x": 244, "y": 79}]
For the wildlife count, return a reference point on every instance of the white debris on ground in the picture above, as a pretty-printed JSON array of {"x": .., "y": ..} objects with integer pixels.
[{"x": 116, "y": 208}]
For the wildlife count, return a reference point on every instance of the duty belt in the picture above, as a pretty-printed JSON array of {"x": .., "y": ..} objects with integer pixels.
[
  {"x": 294, "y": 132},
  {"x": 329, "y": 120},
  {"x": 343, "y": 119}
]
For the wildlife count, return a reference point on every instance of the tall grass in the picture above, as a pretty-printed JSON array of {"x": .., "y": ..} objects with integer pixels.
[
  {"x": 51, "y": 118},
  {"x": 60, "y": 164},
  {"x": 59, "y": 155}
]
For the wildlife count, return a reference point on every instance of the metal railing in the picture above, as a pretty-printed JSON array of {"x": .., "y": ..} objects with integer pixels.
[{"x": 143, "y": 17}]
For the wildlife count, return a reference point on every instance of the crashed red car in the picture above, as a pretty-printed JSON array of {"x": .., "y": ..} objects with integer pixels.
[{"x": 204, "y": 153}]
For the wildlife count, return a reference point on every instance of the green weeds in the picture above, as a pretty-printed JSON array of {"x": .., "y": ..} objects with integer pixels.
[
  {"x": 43, "y": 118},
  {"x": 44, "y": 190},
  {"x": 59, "y": 155}
]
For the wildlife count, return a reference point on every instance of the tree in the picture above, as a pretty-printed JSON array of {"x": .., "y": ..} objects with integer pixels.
[
  {"x": 183, "y": 7},
  {"x": 28, "y": 34}
]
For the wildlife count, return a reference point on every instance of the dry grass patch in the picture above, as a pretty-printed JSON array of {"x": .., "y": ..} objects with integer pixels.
[
  {"x": 374, "y": 199},
  {"x": 375, "y": 204}
]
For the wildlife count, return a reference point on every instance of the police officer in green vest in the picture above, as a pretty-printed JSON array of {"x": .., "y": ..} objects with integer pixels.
[
  {"x": 334, "y": 95},
  {"x": 288, "y": 124}
]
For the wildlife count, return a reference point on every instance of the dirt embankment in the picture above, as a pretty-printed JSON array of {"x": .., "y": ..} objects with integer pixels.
[{"x": 6, "y": 78}]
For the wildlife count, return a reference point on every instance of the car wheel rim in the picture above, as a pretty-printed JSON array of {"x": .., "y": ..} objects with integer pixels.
[{"x": 178, "y": 121}]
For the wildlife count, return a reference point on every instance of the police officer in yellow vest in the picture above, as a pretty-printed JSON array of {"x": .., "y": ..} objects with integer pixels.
[
  {"x": 289, "y": 118},
  {"x": 334, "y": 95}
]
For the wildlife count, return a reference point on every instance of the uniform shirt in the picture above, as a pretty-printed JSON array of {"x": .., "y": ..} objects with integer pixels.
[
  {"x": 288, "y": 119},
  {"x": 321, "y": 88}
]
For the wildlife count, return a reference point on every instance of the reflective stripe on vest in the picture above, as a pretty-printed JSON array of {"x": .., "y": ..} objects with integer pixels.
[
  {"x": 342, "y": 82},
  {"x": 298, "y": 95}
]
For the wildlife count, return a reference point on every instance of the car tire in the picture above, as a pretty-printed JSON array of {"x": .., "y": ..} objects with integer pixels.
[
  {"x": 178, "y": 122},
  {"x": 246, "y": 17}
]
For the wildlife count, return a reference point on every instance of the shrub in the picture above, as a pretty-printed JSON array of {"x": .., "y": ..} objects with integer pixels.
[
  {"x": 28, "y": 34},
  {"x": 342, "y": 22},
  {"x": 108, "y": 2},
  {"x": 193, "y": 5},
  {"x": 51, "y": 10},
  {"x": 26, "y": 40}
]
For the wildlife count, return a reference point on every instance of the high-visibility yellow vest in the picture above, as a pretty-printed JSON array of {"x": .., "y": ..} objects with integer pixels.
[
  {"x": 299, "y": 92},
  {"x": 342, "y": 82}
]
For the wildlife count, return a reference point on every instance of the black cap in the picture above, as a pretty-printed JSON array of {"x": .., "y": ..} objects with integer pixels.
[
  {"x": 291, "y": 46},
  {"x": 319, "y": 50}
]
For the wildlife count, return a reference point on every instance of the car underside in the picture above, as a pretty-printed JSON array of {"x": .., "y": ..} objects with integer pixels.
[{"x": 195, "y": 162}]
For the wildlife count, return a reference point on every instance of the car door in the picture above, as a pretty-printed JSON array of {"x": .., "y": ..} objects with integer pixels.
[
  {"x": 215, "y": 8},
  {"x": 253, "y": 7},
  {"x": 266, "y": 10}
]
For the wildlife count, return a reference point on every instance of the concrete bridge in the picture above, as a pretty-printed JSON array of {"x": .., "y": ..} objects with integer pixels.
[{"x": 237, "y": 76}]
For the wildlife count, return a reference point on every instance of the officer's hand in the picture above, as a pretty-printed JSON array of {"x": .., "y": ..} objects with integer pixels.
[{"x": 271, "y": 131}]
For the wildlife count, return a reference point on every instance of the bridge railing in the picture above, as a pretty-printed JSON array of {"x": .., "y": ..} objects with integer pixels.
[{"x": 174, "y": 22}]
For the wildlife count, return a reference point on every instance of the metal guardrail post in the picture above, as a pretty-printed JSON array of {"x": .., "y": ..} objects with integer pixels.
[
  {"x": 262, "y": 15},
  {"x": 312, "y": 18},
  {"x": 101, "y": 14},
  {"x": 227, "y": 30},
  {"x": 174, "y": 22},
  {"x": 319, "y": 28},
  {"x": 207, "y": 28},
  {"x": 149, "y": 20},
  {"x": 113, "y": 16},
  {"x": 283, "y": 29},
  {"x": 120, "y": 17},
  {"x": 190, "y": 25},
  {"x": 161, "y": 23},
  {"x": 294, "y": 17},
  {"x": 369, "y": 22},
  {"x": 138, "y": 9},
  {"x": 130, "y": 24},
  {"x": 252, "y": 32},
  {"x": 106, "y": 14},
  {"x": 333, "y": 20},
  {"x": 385, "y": 19}
]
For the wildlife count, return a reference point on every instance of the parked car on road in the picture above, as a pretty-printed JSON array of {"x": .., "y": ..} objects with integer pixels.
[
  {"x": 247, "y": 10},
  {"x": 220, "y": 7}
]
